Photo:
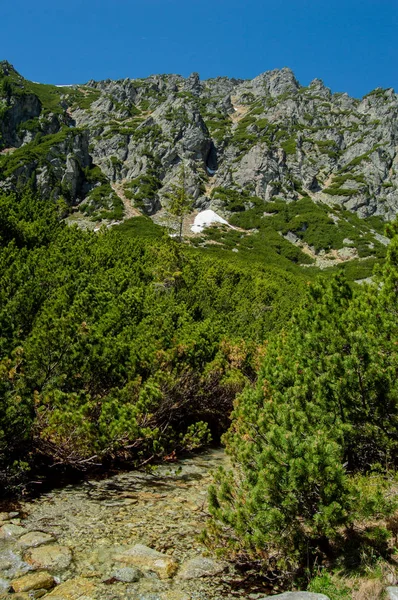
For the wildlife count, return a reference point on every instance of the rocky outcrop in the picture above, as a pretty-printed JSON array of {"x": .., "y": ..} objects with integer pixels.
[
  {"x": 15, "y": 111},
  {"x": 268, "y": 137}
]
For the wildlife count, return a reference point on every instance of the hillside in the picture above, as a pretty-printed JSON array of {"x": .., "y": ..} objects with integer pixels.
[
  {"x": 272, "y": 157},
  {"x": 207, "y": 295}
]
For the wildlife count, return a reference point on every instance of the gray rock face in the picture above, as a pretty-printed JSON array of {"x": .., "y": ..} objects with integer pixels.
[
  {"x": 18, "y": 110},
  {"x": 392, "y": 593},
  {"x": 269, "y": 137}
]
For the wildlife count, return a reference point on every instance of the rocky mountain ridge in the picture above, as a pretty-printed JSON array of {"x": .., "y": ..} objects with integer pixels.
[{"x": 114, "y": 146}]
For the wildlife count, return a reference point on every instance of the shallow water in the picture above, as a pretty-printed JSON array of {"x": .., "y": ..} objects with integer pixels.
[{"x": 164, "y": 509}]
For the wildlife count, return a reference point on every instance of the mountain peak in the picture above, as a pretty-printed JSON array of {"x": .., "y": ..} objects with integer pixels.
[{"x": 7, "y": 69}]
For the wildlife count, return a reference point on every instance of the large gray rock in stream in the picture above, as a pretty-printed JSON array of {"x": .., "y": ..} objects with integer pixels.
[
  {"x": 51, "y": 557},
  {"x": 149, "y": 559}
]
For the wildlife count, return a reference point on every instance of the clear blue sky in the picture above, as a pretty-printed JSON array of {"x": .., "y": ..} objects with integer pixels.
[{"x": 351, "y": 44}]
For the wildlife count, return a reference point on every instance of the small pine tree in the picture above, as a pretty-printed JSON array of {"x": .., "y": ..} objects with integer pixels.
[{"x": 180, "y": 201}]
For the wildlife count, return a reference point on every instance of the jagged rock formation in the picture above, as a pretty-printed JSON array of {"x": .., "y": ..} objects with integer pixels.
[{"x": 268, "y": 138}]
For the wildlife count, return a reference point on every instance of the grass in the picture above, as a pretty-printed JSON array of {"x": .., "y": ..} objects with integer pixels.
[{"x": 325, "y": 583}]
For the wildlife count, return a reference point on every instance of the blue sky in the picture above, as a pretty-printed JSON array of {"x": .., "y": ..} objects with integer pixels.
[{"x": 352, "y": 45}]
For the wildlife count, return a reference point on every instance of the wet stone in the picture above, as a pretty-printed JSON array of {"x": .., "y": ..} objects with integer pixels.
[
  {"x": 33, "y": 581},
  {"x": 5, "y": 564},
  {"x": 11, "y": 531},
  {"x": 175, "y": 595},
  {"x": 127, "y": 574},
  {"x": 52, "y": 557},
  {"x": 23, "y": 596},
  {"x": 35, "y": 538},
  {"x": 95, "y": 531},
  {"x": 149, "y": 559},
  {"x": 74, "y": 589},
  {"x": 11, "y": 565}
]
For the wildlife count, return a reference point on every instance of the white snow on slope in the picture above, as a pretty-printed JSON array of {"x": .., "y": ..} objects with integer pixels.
[{"x": 206, "y": 218}]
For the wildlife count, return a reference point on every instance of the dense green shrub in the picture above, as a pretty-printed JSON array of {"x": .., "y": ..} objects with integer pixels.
[
  {"x": 325, "y": 406},
  {"x": 120, "y": 345}
]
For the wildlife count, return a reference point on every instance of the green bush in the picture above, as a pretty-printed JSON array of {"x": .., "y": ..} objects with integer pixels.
[{"x": 324, "y": 406}]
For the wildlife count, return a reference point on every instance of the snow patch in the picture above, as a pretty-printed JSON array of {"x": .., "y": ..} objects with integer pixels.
[{"x": 205, "y": 219}]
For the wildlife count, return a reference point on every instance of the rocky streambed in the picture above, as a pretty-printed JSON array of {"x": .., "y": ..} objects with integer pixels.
[{"x": 131, "y": 536}]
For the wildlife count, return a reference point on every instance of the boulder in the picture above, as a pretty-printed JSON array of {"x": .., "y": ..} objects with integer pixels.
[
  {"x": 149, "y": 559},
  {"x": 200, "y": 567},
  {"x": 392, "y": 593}
]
